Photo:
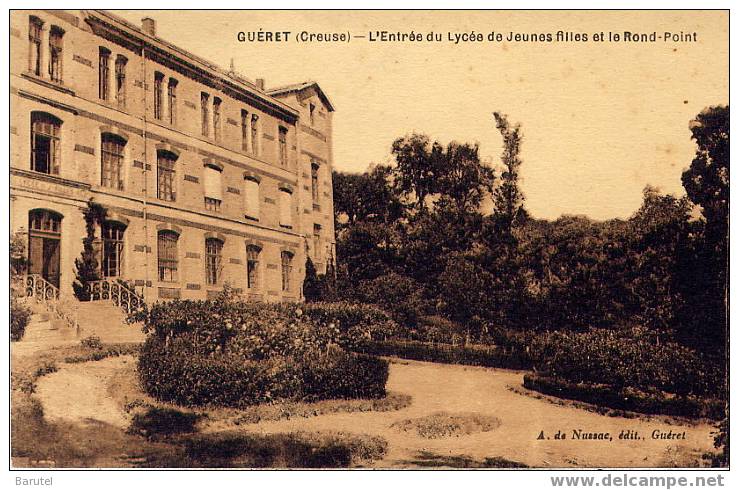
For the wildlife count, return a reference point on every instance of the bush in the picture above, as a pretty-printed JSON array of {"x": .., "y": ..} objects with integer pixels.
[
  {"x": 92, "y": 342},
  {"x": 652, "y": 401},
  {"x": 163, "y": 422},
  {"x": 470, "y": 355},
  {"x": 401, "y": 296},
  {"x": 20, "y": 316},
  {"x": 239, "y": 354},
  {"x": 631, "y": 358}
]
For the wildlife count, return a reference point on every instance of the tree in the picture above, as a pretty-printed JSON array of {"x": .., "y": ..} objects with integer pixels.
[
  {"x": 312, "y": 284},
  {"x": 419, "y": 166},
  {"x": 507, "y": 196},
  {"x": 87, "y": 265},
  {"x": 365, "y": 196},
  {"x": 463, "y": 179}
]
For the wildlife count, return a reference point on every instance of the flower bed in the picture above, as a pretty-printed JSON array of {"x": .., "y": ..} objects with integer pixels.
[{"x": 238, "y": 354}]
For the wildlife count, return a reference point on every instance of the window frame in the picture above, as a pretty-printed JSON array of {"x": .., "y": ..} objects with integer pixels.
[
  {"x": 172, "y": 100},
  {"x": 120, "y": 80},
  {"x": 286, "y": 269},
  {"x": 104, "y": 73},
  {"x": 35, "y": 26},
  {"x": 168, "y": 256},
  {"x": 56, "y": 53},
  {"x": 253, "y": 253},
  {"x": 113, "y": 247},
  {"x": 166, "y": 174},
  {"x": 115, "y": 161},
  {"x": 54, "y": 136},
  {"x": 204, "y": 114},
  {"x": 213, "y": 260}
]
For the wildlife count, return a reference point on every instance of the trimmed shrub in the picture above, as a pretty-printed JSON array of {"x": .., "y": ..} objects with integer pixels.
[
  {"x": 631, "y": 358},
  {"x": 469, "y": 355},
  {"x": 20, "y": 316},
  {"x": 654, "y": 401},
  {"x": 239, "y": 354}
]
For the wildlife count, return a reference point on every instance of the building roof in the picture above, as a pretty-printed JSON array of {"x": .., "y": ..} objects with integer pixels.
[
  {"x": 299, "y": 87},
  {"x": 244, "y": 84}
]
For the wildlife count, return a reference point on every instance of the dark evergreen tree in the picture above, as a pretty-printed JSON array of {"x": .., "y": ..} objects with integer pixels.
[{"x": 88, "y": 265}]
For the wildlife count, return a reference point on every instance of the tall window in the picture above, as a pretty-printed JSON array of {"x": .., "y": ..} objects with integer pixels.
[
  {"x": 286, "y": 208},
  {"x": 287, "y": 269},
  {"x": 244, "y": 130},
  {"x": 314, "y": 181},
  {"x": 255, "y": 134},
  {"x": 252, "y": 266},
  {"x": 217, "y": 118},
  {"x": 120, "y": 80},
  {"x": 283, "y": 146},
  {"x": 251, "y": 198},
  {"x": 165, "y": 175},
  {"x": 312, "y": 114},
  {"x": 112, "y": 155},
  {"x": 158, "y": 80},
  {"x": 213, "y": 250},
  {"x": 44, "y": 239},
  {"x": 103, "y": 73},
  {"x": 204, "y": 113},
  {"x": 113, "y": 249},
  {"x": 317, "y": 242},
  {"x": 212, "y": 184},
  {"x": 34, "y": 45},
  {"x": 55, "y": 53},
  {"x": 167, "y": 258},
  {"x": 172, "y": 100},
  {"x": 45, "y": 143}
]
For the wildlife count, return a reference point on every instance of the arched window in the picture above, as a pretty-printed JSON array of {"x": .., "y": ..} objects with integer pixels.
[
  {"x": 120, "y": 80},
  {"x": 251, "y": 198},
  {"x": 167, "y": 255},
  {"x": 55, "y": 53},
  {"x": 166, "y": 175},
  {"x": 34, "y": 44},
  {"x": 314, "y": 181},
  {"x": 252, "y": 266},
  {"x": 213, "y": 251},
  {"x": 44, "y": 238},
  {"x": 112, "y": 155},
  {"x": 286, "y": 204},
  {"x": 103, "y": 73},
  {"x": 45, "y": 143},
  {"x": 113, "y": 246},
  {"x": 287, "y": 269},
  {"x": 212, "y": 187}
]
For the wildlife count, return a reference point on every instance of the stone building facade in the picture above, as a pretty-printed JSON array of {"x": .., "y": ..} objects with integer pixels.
[{"x": 207, "y": 177}]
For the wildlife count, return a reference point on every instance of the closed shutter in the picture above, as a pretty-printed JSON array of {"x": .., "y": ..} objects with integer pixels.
[
  {"x": 251, "y": 198},
  {"x": 212, "y": 183},
  {"x": 285, "y": 208}
]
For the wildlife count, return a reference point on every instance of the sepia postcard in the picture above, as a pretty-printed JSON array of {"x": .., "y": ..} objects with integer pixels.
[{"x": 369, "y": 239}]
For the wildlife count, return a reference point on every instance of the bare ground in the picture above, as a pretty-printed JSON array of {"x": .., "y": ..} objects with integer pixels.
[{"x": 88, "y": 393}]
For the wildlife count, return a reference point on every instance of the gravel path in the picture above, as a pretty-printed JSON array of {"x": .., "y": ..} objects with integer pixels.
[{"x": 78, "y": 393}]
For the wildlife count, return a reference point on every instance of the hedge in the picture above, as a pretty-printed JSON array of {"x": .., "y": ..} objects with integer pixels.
[
  {"x": 238, "y": 354},
  {"x": 20, "y": 316},
  {"x": 470, "y": 354},
  {"x": 652, "y": 402}
]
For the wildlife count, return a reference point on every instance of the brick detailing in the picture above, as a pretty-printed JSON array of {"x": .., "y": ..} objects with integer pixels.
[
  {"x": 191, "y": 178},
  {"x": 233, "y": 190},
  {"x": 169, "y": 293},
  {"x": 313, "y": 132},
  {"x": 272, "y": 266},
  {"x": 142, "y": 248},
  {"x": 138, "y": 164},
  {"x": 190, "y": 105},
  {"x": 234, "y": 261},
  {"x": 13, "y": 130},
  {"x": 193, "y": 287},
  {"x": 269, "y": 200},
  {"x": 232, "y": 122},
  {"x": 192, "y": 255},
  {"x": 84, "y": 149},
  {"x": 268, "y": 136},
  {"x": 82, "y": 60}
]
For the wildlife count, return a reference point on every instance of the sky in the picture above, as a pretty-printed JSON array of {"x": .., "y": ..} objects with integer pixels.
[{"x": 600, "y": 120}]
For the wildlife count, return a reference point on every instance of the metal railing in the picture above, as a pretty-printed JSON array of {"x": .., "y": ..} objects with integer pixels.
[
  {"x": 49, "y": 296},
  {"x": 117, "y": 292}
]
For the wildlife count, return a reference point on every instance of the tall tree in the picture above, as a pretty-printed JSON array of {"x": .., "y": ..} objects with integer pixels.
[
  {"x": 419, "y": 165},
  {"x": 463, "y": 179},
  {"x": 507, "y": 196}
]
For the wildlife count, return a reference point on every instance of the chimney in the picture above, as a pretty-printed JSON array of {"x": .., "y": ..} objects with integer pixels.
[
  {"x": 149, "y": 26},
  {"x": 260, "y": 83}
]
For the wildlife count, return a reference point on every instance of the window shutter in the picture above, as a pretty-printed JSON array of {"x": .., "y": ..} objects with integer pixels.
[
  {"x": 251, "y": 198},
  {"x": 285, "y": 208},
  {"x": 212, "y": 183}
]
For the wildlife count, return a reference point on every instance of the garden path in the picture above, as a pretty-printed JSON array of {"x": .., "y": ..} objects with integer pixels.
[{"x": 79, "y": 393}]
